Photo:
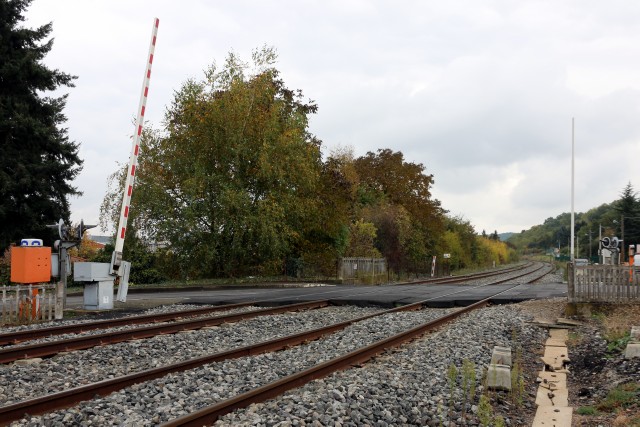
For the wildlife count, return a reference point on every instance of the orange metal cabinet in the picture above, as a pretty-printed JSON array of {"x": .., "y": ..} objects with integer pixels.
[{"x": 30, "y": 264}]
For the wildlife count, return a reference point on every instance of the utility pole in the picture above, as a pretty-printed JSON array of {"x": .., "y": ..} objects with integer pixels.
[{"x": 572, "y": 186}]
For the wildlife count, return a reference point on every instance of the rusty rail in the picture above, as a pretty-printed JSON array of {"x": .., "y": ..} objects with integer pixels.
[
  {"x": 75, "y": 395},
  {"x": 26, "y": 335},
  {"x": 521, "y": 275},
  {"x": 53, "y": 347},
  {"x": 208, "y": 415},
  {"x": 466, "y": 277},
  {"x": 31, "y": 334}
]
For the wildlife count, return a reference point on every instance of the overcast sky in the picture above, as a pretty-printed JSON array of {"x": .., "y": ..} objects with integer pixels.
[{"x": 482, "y": 93}]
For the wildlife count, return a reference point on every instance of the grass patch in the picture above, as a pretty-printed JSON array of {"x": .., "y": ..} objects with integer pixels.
[
  {"x": 623, "y": 396},
  {"x": 574, "y": 339},
  {"x": 616, "y": 343},
  {"x": 587, "y": 410}
]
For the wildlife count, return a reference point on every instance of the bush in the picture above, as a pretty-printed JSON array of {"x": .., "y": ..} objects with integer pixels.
[{"x": 5, "y": 268}]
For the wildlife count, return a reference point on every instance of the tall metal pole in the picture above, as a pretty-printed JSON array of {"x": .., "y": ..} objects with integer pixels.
[
  {"x": 572, "y": 186},
  {"x": 622, "y": 237},
  {"x": 133, "y": 158}
]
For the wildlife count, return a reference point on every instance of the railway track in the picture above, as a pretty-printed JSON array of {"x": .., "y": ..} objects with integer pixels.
[
  {"x": 208, "y": 415},
  {"x": 68, "y": 397},
  {"x": 10, "y": 354},
  {"x": 79, "y": 328},
  {"x": 474, "y": 276},
  {"x": 71, "y": 396},
  {"x": 50, "y": 348}
]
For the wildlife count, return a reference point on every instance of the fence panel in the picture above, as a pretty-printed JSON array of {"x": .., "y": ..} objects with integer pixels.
[
  {"x": 27, "y": 303},
  {"x": 363, "y": 270},
  {"x": 603, "y": 283}
]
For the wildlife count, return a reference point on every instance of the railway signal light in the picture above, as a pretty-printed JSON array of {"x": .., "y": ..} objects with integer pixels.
[
  {"x": 610, "y": 242},
  {"x": 81, "y": 228}
]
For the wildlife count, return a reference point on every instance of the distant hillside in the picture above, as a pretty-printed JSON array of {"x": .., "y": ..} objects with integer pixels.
[
  {"x": 505, "y": 236},
  {"x": 102, "y": 239},
  {"x": 556, "y": 232}
]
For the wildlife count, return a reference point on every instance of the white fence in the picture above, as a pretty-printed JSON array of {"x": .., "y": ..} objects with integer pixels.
[
  {"x": 27, "y": 303},
  {"x": 603, "y": 283},
  {"x": 363, "y": 270}
]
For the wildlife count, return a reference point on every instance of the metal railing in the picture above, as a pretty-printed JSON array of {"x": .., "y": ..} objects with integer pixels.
[
  {"x": 603, "y": 283},
  {"x": 27, "y": 303}
]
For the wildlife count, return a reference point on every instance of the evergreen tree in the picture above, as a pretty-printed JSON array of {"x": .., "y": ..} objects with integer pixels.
[
  {"x": 628, "y": 207},
  {"x": 37, "y": 160}
]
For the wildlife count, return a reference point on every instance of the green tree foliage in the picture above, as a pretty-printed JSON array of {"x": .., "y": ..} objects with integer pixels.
[
  {"x": 361, "y": 240},
  {"x": 460, "y": 241},
  {"x": 606, "y": 218},
  {"x": 327, "y": 238},
  {"x": 468, "y": 250},
  {"x": 395, "y": 195},
  {"x": 231, "y": 181},
  {"x": 37, "y": 160},
  {"x": 628, "y": 208},
  {"x": 235, "y": 184}
]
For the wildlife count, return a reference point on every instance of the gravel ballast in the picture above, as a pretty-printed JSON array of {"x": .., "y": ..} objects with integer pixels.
[
  {"x": 20, "y": 382},
  {"x": 404, "y": 387}
]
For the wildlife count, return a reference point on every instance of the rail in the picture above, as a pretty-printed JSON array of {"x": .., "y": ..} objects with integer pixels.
[
  {"x": 50, "y": 348},
  {"x": 31, "y": 334},
  {"x": 208, "y": 415},
  {"x": 25, "y": 335},
  {"x": 75, "y": 395}
]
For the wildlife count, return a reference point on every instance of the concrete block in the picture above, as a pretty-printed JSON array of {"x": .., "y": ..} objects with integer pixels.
[
  {"x": 633, "y": 350},
  {"x": 551, "y": 416},
  {"x": 554, "y": 342},
  {"x": 635, "y": 333},
  {"x": 501, "y": 356},
  {"x": 559, "y": 334},
  {"x": 499, "y": 377}
]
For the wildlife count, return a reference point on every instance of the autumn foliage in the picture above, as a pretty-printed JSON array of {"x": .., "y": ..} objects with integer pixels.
[{"x": 235, "y": 184}]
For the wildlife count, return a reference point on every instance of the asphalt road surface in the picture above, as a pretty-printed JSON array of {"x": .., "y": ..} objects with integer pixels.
[{"x": 384, "y": 296}]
